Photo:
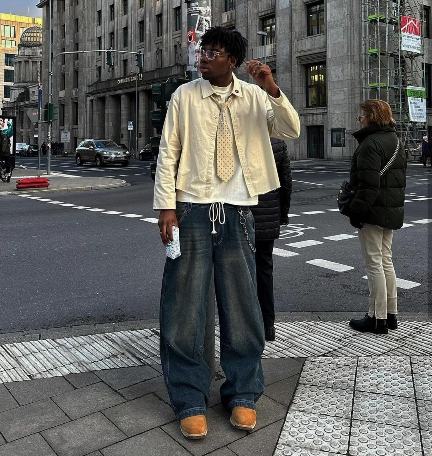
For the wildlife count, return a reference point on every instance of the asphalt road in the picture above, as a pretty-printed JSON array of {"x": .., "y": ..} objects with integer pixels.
[{"x": 75, "y": 264}]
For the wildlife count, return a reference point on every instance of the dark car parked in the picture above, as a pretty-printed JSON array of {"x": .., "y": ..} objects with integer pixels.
[
  {"x": 101, "y": 152},
  {"x": 32, "y": 150}
]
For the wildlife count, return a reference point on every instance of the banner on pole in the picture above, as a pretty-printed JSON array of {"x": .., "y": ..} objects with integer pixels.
[
  {"x": 411, "y": 31},
  {"x": 199, "y": 21},
  {"x": 417, "y": 103}
]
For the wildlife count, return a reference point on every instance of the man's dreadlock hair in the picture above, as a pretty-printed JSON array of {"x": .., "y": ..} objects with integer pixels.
[{"x": 231, "y": 40}]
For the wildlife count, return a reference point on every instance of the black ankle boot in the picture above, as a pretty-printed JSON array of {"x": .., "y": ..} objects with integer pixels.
[
  {"x": 392, "y": 322},
  {"x": 270, "y": 333},
  {"x": 370, "y": 324}
]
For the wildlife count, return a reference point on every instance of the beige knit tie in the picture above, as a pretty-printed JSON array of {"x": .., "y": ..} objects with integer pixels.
[{"x": 224, "y": 144}]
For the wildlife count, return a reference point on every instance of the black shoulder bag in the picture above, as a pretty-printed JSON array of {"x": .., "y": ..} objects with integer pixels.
[{"x": 347, "y": 192}]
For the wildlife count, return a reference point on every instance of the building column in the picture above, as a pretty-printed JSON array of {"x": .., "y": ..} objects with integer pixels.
[
  {"x": 143, "y": 137},
  {"x": 99, "y": 118},
  {"x": 124, "y": 118},
  {"x": 109, "y": 116}
]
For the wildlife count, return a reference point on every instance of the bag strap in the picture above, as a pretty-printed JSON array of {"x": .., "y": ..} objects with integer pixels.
[{"x": 392, "y": 159}]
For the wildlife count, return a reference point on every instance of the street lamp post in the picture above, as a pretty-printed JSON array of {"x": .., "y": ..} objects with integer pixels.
[
  {"x": 50, "y": 89},
  {"x": 264, "y": 34}
]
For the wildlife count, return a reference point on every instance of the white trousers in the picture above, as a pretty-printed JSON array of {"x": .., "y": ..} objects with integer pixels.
[{"x": 376, "y": 244}]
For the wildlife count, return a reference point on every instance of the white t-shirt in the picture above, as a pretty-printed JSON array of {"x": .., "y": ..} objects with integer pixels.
[{"x": 232, "y": 192}]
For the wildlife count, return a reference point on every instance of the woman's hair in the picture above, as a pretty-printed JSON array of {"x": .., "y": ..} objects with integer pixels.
[
  {"x": 231, "y": 40},
  {"x": 378, "y": 112}
]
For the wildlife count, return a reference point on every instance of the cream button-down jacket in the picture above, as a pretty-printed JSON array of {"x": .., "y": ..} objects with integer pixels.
[{"x": 187, "y": 147}]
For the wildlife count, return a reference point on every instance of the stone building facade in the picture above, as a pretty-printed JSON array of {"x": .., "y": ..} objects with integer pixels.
[
  {"x": 315, "y": 48},
  {"x": 11, "y": 29},
  {"x": 24, "y": 93}
]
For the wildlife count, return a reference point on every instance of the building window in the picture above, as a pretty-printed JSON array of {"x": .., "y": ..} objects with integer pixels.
[
  {"x": 8, "y": 43},
  {"x": 75, "y": 79},
  {"x": 8, "y": 31},
  {"x": 62, "y": 81},
  {"x": 7, "y": 91},
  {"x": 125, "y": 67},
  {"x": 158, "y": 24},
  {"x": 428, "y": 85},
  {"x": 316, "y": 85},
  {"x": 111, "y": 40},
  {"x": 141, "y": 34},
  {"x": 8, "y": 75},
  {"x": 125, "y": 7},
  {"x": 315, "y": 141},
  {"x": 268, "y": 25},
  {"x": 315, "y": 18},
  {"x": 99, "y": 73},
  {"x": 64, "y": 31},
  {"x": 75, "y": 113},
  {"x": 76, "y": 25},
  {"x": 112, "y": 14},
  {"x": 99, "y": 17},
  {"x": 9, "y": 59},
  {"x": 125, "y": 37},
  {"x": 177, "y": 53},
  {"x": 76, "y": 55},
  {"x": 158, "y": 58},
  {"x": 99, "y": 44},
  {"x": 426, "y": 21},
  {"x": 177, "y": 18},
  {"x": 63, "y": 57},
  {"x": 141, "y": 3},
  {"x": 61, "y": 114},
  {"x": 229, "y": 5}
]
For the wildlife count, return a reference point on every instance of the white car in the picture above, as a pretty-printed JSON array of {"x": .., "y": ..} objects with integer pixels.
[{"x": 21, "y": 148}]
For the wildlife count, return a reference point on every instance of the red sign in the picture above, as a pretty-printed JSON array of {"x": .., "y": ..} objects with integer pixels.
[{"x": 410, "y": 25}]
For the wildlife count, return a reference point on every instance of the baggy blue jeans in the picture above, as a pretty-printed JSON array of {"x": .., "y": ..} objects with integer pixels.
[{"x": 229, "y": 254}]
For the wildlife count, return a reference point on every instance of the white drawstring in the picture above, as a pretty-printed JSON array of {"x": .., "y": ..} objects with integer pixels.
[{"x": 216, "y": 213}]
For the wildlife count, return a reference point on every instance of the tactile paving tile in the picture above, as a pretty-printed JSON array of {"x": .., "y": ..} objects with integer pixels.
[
  {"x": 425, "y": 414},
  {"x": 323, "y": 433},
  {"x": 423, "y": 386},
  {"x": 426, "y": 437},
  {"x": 329, "y": 372},
  {"x": 282, "y": 450},
  {"x": 372, "y": 439},
  {"x": 385, "y": 381},
  {"x": 400, "y": 363},
  {"x": 323, "y": 401},
  {"x": 381, "y": 408}
]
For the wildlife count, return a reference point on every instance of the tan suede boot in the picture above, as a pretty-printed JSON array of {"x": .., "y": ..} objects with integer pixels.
[
  {"x": 243, "y": 418},
  {"x": 194, "y": 427}
]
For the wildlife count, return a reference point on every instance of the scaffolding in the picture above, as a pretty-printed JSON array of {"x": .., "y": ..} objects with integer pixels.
[{"x": 388, "y": 70}]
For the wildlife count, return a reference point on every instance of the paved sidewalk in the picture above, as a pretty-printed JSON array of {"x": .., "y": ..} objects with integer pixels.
[
  {"x": 103, "y": 394},
  {"x": 60, "y": 182}
]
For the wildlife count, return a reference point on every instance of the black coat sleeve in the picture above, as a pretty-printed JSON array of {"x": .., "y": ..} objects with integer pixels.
[{"x": 367, "y": 181}]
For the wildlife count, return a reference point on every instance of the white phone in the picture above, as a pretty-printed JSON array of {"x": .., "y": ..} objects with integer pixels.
[{"x": 173, "y": 247}]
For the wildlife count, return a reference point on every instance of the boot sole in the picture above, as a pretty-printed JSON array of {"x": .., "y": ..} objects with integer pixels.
[
  {"x": 193, "y": 436},
  {"x": 242, "y": 427}
]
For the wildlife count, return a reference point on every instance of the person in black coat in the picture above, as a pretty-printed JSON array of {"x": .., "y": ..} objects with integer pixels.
[
  {"x": 270, "y": 214},
  {"x": 426, "y": 151},
  {"x": 377, "y": 209}
]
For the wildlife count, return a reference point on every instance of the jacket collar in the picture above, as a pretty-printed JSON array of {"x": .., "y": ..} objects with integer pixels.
[
  {"x": 362, "y": 134},
  {"x": 207, "y": 89}
]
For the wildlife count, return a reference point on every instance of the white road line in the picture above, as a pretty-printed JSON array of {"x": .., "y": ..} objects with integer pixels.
[
  {"x": 407, "y": 225},
  {"x": 131, "y": 215},
  {"x": 150, "y": 220},
  {"x": 67, "y": 204},
  {"x": 407, "y": 201},
  {"x": 81, "y": 207},
  {"x": 423, "y": 198},
  {"x": 45, "y": 199},
  {"x": 402, "y": 283},
  {"x": 112, "y": 212},
  {"x": 313, "y": 212},
  {"x": 302, "y": 244},
  {"x": 422, "y": 221},
  {"x": 339, "y": 237},
  {"x": 55, "y": 202},
  {"x": 283, "y": 252},
  {"x": 309, "y": 183},
  {"x": 333, "y": 210},
  {"x": 293, "y": 215},
  {"x": 330, "y": 265},
  {"x": 95, "y": 209}
]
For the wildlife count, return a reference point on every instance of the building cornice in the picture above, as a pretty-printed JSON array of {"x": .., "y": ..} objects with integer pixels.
[{"x": 42, "y": 3}]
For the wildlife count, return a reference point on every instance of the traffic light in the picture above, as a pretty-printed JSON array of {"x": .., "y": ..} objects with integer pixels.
[
  {"x": 109, "y": 58},
  {"x": 48, "y": 112},
  {"x": 140, "y": 60}
]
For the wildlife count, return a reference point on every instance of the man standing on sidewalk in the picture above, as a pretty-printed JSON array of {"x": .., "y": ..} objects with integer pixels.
[{"x": 215, "y": 159}]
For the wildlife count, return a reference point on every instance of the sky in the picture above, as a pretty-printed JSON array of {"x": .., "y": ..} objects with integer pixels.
[{"x": 21, "y": 7}]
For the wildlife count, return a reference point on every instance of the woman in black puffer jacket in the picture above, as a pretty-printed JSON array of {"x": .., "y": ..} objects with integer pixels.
[
  {"x": 270, "y": 214},
  {"x": 377, "y": 209}
]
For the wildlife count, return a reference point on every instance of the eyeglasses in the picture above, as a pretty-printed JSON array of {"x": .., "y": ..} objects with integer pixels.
[{"x": 209, "y": 54}]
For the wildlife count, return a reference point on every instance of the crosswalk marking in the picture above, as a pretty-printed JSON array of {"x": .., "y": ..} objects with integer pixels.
[
  {"x": 313, "y": 212},
  {"x": 302, "y": 244},
  {"x": 309, "y": 183},
  {"x": 407, "y": 225},
  {"x": 422, "y": 221},
  {"x": 67, "y": 204},
  {"x": 333, "y": 210},
  {"x": 283, "y": 252},
  {"x": 404, "y": 284},
  {"x": 337, "y": 267},
  {"x": 131, "y": 215},
  {"x": 150, "y": 220},
  {"x": 95, "y": 209},
  {"x": 293, "y": 215},
  {"x": 339, "y": 237},
  {"x": 112, "y": 212},
  {"x": 422, "y": 198},
  {"x": 81, "y": 207}
]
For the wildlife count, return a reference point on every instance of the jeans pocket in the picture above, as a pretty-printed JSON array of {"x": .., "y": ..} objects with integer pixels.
[
  {"x": 247, "y": 222},
  {"x": 182, "y": 210}
]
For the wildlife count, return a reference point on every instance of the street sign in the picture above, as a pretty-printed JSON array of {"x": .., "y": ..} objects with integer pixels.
[
  {"x": 130, "y": 125},
  {"x": 65, "y": 136}
]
